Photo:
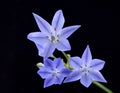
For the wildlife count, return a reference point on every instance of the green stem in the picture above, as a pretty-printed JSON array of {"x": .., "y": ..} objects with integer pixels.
[
  {"x": 67, "y": 58},
  {"x": 65, "y": 55},
  {"x": 107, "y": 90}
]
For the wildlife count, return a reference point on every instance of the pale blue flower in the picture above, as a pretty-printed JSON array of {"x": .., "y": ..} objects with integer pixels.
[
  {"x": 86, "y": 69},
  {"x": 52, "y": 36},
  {"x": 53, "y": 72}
]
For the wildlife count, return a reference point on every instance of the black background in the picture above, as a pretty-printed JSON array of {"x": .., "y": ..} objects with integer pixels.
[{"x": 19, "y": 55}]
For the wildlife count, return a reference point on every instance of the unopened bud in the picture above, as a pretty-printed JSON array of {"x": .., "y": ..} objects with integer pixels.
[{"x": 40, "y": 65}]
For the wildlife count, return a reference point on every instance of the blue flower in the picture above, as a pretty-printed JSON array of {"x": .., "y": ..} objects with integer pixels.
[
  {"x": 53, "y": 72},
  {"x": 52, "y": 36},
  {"x": 86, "y": 69}
]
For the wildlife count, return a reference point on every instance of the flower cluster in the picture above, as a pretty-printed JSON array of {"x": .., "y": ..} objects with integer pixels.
[{"x": 57, "y": 71}]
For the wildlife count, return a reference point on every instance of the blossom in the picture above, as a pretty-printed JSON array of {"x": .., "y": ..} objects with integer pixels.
[
  {"x": 53, "y": 72},
  {"x": 52, "y": 36},
  {"x": 86, "y": 69}
]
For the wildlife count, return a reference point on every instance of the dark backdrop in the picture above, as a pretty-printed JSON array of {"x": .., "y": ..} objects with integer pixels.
[{"x": 19, "y": 55}]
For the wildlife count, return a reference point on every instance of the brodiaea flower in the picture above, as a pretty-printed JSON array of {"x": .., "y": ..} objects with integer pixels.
[
  {"x": 52, "y": 36},
  {"x": 86, "y": 69},
  {"x": 53, "y": 72}
]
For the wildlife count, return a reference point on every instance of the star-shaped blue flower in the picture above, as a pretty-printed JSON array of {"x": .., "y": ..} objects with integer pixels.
[
  {"x": 53, "y": 72},
  {"x": 86, "y": 69},
  {"x": 52, "y": 36}
]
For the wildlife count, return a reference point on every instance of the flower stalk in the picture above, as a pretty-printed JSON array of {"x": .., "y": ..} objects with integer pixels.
[
  {"x": 67, "y": 56},
  {"x": 107, "y": 90}
]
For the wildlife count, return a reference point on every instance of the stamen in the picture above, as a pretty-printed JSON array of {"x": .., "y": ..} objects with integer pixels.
[{"x": 54, "y": 39}]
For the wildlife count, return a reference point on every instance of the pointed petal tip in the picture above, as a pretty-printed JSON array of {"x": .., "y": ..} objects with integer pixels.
[
  {"x": 29, "y": 36},
  {"x": 87, "y": 47},
  {"x": 86, "y": 86},
  {"x": 66, "y": 81},
  {"x": 33, "y": 14},
  {"x": 79, "y": 26},
  {"x": 38, "y": 72},
  {"x": 44, "y": 86},
  {"x": 104, "y": 81},
  {"x": 36, "y": 15},
  {"x": 60, "y": 11}
]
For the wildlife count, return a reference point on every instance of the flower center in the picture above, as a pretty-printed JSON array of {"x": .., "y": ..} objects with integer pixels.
[
  {"x": 54, "y": 39},
  {"x": 56, "y": 73},
  {"x": 85, "y": 69},
  {"x": 54, "y": 36}
]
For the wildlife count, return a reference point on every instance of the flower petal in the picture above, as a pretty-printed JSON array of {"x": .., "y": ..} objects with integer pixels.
[
  {"x": 97, "y": 76},
  {"x": 87, "y": 57},
  {"x": 86, "y": 80},
  {"x": 73, "y": 76},
  {"x": 44, "y": 72},
  {"x": 49, "y": 81},
  {"x": 76, "y": 62},
  {"x": 63, "y": 45},
  {"x": 49, "y": 64},
  {"x": 59, "y": 79},
  {"x": 43, "y": 25},
  {"x": 40, "y": 48},
  {"x": 49, "y": 48},
  {"x": 97, "y": 64},
  {"x": 65, "y": 72},
  {"x": 58, "y": 63},
  {"x": 40, "y": 41},
  {"x": 58, "y": 20},
  {"x": 37, "y": 37},
  {"x": 67, "y": 31}
]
